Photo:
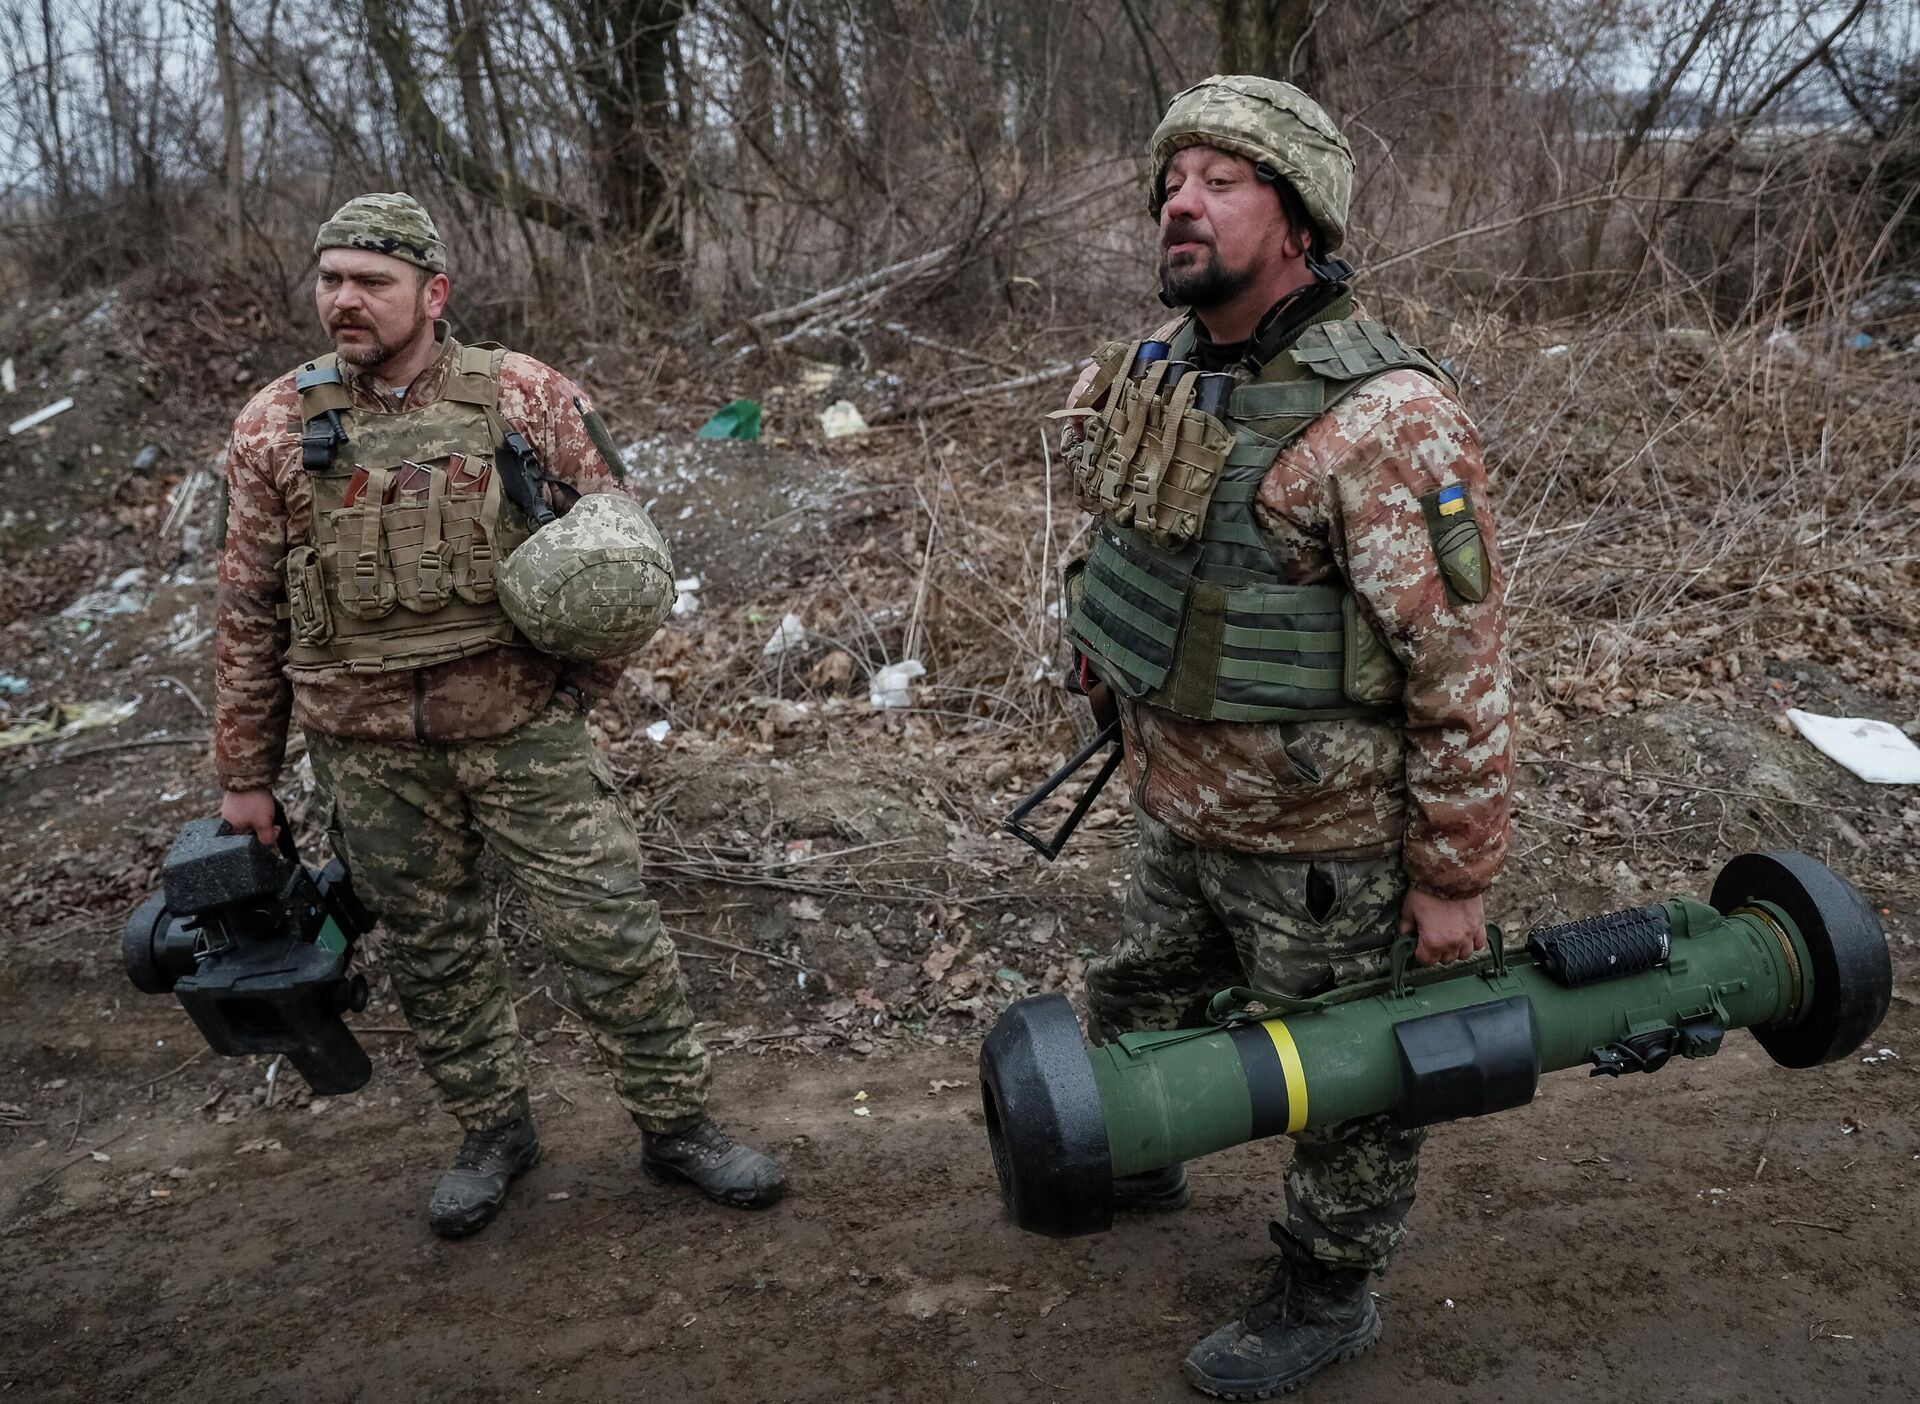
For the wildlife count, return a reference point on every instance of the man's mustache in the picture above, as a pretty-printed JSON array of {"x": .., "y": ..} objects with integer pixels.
[{"x": 1184, "y": 232}]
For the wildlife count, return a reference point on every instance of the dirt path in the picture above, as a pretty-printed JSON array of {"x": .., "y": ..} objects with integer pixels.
[{"x": 1614, "y": 1241}]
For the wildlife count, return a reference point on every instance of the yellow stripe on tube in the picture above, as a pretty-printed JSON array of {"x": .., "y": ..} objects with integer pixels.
[{"x": 1296, "y": 1075}]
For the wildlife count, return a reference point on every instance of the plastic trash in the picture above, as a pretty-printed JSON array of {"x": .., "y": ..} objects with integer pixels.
[
  {"x": 791, "y": 634},
  {"x": 890, "y": 686},
  {"x": 1877, "y": 751},
  {"x": 841, "y": 419},
  {"x": 686, "y": 596},
  {"x": 739, "y": 419},
  {"x": 66, "y": 719},
  {"x": 40, "y": 416}
]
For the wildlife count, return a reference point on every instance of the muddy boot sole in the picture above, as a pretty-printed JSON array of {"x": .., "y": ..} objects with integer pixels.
[{"x": 1359, "y": 1341}]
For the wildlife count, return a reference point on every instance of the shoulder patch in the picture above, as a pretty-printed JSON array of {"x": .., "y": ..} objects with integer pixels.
[{"x": 1458, "y": 547}]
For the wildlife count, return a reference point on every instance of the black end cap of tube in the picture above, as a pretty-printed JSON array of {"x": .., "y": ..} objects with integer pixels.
[
  {"x": 1044, "y": 1124},
  {"x": 1852, "y": 974}
]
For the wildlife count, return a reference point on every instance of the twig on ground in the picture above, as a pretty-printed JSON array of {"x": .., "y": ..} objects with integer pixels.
[{"x": 60, "y": 1169}]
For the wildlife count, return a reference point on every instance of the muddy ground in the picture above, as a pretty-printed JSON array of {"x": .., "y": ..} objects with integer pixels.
[{"x": 173, "y": 1226}]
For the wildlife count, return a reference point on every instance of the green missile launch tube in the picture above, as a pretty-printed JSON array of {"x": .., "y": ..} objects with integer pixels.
[{"x": 1787, "y": 949}]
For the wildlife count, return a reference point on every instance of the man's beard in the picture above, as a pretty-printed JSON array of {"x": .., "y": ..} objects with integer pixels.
[
  {"x": 373, "y": 353},
  {"x": 1200, "y": 283}
]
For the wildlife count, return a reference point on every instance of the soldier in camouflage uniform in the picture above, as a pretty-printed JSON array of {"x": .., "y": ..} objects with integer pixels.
[
  {"x": 364, "y": 524},
  {"x": 1293, "y": 603}
]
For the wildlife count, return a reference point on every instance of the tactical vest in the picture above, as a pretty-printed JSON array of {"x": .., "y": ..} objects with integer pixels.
[
  {"x": 1179, "y": 603},
  {"x": 402, "y": 576}
]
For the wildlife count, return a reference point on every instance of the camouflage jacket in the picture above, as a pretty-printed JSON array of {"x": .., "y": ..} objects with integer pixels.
[
  {"x": 269, "y": 508},
  {"x": 1341, "y": 505}
]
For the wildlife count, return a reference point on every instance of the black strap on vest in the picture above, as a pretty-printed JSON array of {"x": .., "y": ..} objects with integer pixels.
[{"x": 323, "y": 436}]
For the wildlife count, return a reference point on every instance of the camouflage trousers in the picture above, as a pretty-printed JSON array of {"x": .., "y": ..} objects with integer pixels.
[
  {"x": 1198, "y": 919},
  {"x": 411, "y": 822}
]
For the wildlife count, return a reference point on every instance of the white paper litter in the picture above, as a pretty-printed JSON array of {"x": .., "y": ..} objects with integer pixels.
[
  {"x": 7, "y": 381},
  {"x": 890, "y": 686},
  {"x": 791, "y": 634},
  {"x": 842, "y": 418},
  {"x": 686, "y": 596},
  {"x": 40, "y": 416},
  {"x": 657, "y": 732},
  {"x": 1878, "y": 752}
]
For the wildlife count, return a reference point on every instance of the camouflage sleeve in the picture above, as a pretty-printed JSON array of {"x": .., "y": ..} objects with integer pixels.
[
  {"x": 1404, "y": 461},
  {"x": 551, "y": 411},
  {"x": 251, "y": 695}
]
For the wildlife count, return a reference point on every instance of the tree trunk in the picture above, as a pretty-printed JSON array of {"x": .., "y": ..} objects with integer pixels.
[
  {"x": 423, "y": 126},
  {"x": 236, "y": 171},
  {"x": 465, "y": 21},
  {"x": 1273, "y": 38},
  {"x": 625, "y": 69}
]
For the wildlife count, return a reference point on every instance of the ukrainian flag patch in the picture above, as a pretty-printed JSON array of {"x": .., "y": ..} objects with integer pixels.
[{"x": 1458, "y": 547}]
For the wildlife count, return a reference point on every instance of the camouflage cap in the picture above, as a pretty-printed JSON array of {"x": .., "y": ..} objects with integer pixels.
[
  {"x": 392, "y": 223},
  {"x": 596, "y": 584},
  {"x": 1270, "y": 123}
]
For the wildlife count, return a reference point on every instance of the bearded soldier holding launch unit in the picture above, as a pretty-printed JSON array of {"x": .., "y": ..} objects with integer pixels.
[
  {"x": 381, "y": 584},
  {"x": 1293, "y": 602}
]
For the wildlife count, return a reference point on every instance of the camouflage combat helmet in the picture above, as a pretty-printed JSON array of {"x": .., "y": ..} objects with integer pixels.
[
  {"x": 386, "y": 222},
  {"x": 595, "y": 584},
  {"x": 1272, "y": 124}
]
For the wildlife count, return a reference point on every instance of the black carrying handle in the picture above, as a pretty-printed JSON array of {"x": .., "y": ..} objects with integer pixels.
[
  {"x": 289, "y": 850},
  {"x": 1049, "y": 849}
]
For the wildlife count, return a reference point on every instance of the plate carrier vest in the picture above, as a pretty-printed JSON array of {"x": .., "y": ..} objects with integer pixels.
[
  {"x": 1179, "y": 603},
  {"x": 388, "y": 586}
]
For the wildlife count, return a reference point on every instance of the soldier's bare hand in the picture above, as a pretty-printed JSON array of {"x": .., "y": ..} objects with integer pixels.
[
  {"x": 1450, "y": 929},
  {"x": 251, "y": 810},
  {"x": 1080, "y": 384},
  {"x": 1106, "y": 711}
]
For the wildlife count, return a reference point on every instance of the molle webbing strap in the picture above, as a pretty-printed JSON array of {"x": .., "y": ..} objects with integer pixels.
[
  {"x": 1234, "y": 551},
  {"x": 1147, "y": 488},
  {"x": 390, "y": 645},
  {"x": 366, "y": 552},
  {"x": 474, "y": 378},
  {"x": 1352, "y": 351},
  {"x": 1133, "y": 596},
  {"x": 1276, "y": 399}
]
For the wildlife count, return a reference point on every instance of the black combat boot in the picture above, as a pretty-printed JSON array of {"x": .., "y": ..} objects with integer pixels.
[
  {"x": 469, "y": 1194},
  {"x": 713, "y": 1162},
  {"x": 1152, "y": 1191},
  {"x": 1313, "y": 1316}
]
